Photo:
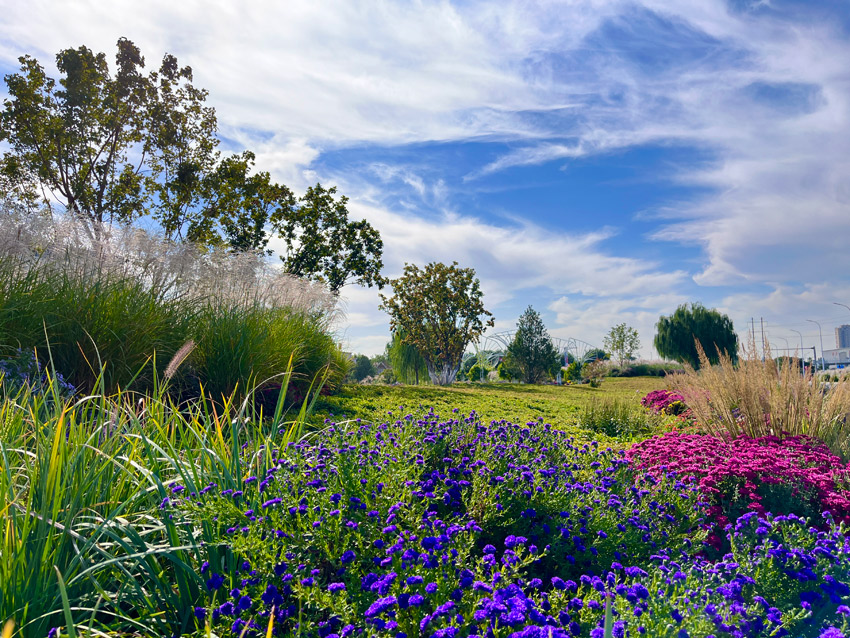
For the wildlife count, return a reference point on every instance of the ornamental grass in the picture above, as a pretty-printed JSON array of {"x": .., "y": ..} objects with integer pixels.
[
  {"x": 119, "y": 307},
  {"x": 765, "y": 398}
]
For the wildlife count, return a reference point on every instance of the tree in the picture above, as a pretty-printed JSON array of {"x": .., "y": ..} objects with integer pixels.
[
  {"x": 111, "y": 147},
  {"x": 362, "y": 367},
  {"x": 97, "y": 142},
  {"x": 622, "y": 341},
  {"x": 323, "y": 244},
  {"x": 439, "y": 308},
  {"x": 239, "y": 207},
  {"x": 532, "y": 349},
  {"x": 677, "y": 335},
  {"x": 405, "y": 359}
]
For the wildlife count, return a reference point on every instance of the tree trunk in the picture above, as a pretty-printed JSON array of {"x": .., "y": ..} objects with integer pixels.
[{"x": 442, "y": 374}]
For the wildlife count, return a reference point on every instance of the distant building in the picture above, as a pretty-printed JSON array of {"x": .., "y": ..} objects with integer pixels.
[
  {"x": 842, "y": 337},
  {"x": 840, "y": 357}
]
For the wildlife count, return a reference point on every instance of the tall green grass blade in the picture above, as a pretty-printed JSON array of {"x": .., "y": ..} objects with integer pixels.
[{"x": 66, "y": 605}]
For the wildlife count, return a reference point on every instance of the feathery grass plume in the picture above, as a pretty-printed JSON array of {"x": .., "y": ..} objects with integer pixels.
[
  {"x": 765, "y": 398},
  {"x": 174, "y": 270},
  {"x": 130, "y": 297},
  {"x": 179, "y": 357}
]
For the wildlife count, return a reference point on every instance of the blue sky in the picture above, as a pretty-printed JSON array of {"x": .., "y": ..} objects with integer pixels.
[{"x": 600, "y": 160}]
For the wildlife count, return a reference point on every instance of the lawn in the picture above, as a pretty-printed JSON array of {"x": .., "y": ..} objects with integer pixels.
[{"x": 562, "y": 406}]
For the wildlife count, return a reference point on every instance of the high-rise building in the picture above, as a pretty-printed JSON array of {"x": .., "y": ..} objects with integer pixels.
[{"x": 842, "y": 337}]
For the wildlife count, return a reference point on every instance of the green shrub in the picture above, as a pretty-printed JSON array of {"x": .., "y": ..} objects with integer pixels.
[
  {"x": 477, "y": 372},
  {"x": 645, "y": 370},
  {"x": 616, "y": 417},
  {"x": 573, "y": 371}
]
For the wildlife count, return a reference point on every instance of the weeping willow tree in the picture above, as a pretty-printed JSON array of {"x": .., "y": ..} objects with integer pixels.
[{"x": 406, "y": 361}]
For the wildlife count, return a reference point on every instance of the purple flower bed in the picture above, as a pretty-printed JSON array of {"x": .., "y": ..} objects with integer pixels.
[{"x": 453, "y": 527}]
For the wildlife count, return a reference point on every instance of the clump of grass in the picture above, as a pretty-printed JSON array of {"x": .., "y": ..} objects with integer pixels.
[
  {"x": 760, "y": 398},
  {"x": 124, "y": 304},
  {"x": 617, "y": 418},
  {"x": 83, "y": 493}
]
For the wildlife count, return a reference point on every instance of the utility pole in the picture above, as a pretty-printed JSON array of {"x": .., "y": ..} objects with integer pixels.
[
  {"x": 802, "y": 365},
  {"x": 822, "y": 362},
  {"x": 762, "y": 338},
  {"x": 753, "y": 333}
]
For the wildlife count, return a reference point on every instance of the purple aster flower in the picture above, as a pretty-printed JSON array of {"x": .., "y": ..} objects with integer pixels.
[
  {"x": 215, "y": 581},
  {"x": 380, "y": 606}
]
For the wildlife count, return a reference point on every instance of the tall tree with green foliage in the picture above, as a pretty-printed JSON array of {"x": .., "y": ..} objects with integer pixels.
[
  {"x": 362, "y": 367},
  {"x": 406, "y": 360},
  {"x": 622, "y": 341},
  {"x": 322, "y": 243},
  {"x": 532, "y": 350},
  {"x": 677, "y": 335},
  {"x": 97, "y": 141},
  {"x": 440, "y": 310},
  {"x": 113, "y": 146}
]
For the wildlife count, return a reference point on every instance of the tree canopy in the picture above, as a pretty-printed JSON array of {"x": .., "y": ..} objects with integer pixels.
[
  {"x": 622, "y": 341},
  {"x": 322, "y": 243},
  {"x": 440, "y": 310},
  {"x": 676, "y": 335},
  {"x": 105, "y": 145},
  {"x": 363, "y": 367},
  {"x": 111, "y": 147},
  {"x": 532, "y": 350}
]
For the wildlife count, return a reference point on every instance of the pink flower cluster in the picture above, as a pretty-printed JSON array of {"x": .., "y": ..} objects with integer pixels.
[
  {"x": 796, "y": 474},
  {"x": 664, "y": 401}
]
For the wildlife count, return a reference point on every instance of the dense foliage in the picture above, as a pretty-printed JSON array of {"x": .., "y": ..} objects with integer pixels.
[
  {"x": 532, "y": 351},
  {"x": 111, "y": 148},
  {"x": 440, "y": 310},
  {"x": 677, "y": 335}
]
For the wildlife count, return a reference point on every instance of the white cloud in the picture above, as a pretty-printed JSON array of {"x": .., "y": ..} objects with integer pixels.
[
  {"x": 509, "y": 261},
  {"x": 766, "y": 97}
]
